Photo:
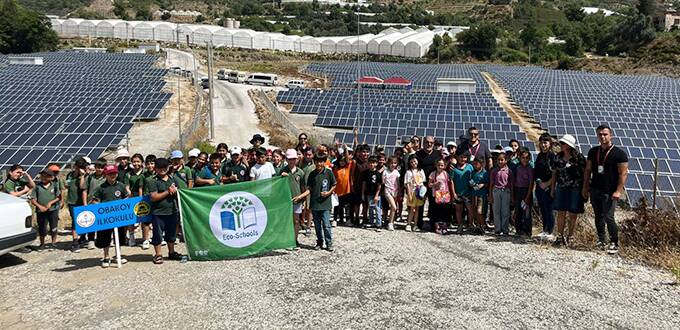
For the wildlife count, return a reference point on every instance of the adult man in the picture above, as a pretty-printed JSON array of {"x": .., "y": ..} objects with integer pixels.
[
  {"x": 474, "y": 147},
  {"x": 604, "y": 180},
  {"x": 427, "y": 157}
]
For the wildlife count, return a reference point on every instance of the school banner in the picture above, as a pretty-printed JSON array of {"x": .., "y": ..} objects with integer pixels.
[
  {"x": 102, "y": 216},
  {"x": 236, "y": 220}
]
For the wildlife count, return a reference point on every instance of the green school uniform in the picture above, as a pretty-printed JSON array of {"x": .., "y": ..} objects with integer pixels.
[
  {"x": 296, "y": 180},
  {"x": 207, "y": 174},
  {"x": 92, "y": 183},
  {"x": 136, "y": 181},
  {"x": 107, "y": 192},
  {"x": 74, "y": 194},
  {"x": 318, "y": 182},
  {"x": 183, "y": 176},
  {"x": 44, "y": 194},
  {"x": 15, "y": 186},
  {"x": 168, "y": 205}
]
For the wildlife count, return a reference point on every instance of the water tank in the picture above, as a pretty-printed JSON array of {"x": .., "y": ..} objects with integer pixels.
[
  {"x": 237, "y": 24},
  {"x": 230, "y": 23}
]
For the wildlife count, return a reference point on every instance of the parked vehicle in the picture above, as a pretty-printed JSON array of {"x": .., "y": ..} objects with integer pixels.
[
  {"x": 237, "y": 77},
  {"x": 223, "y": 74},
  {"x": 205, "y": 82},
  {"x": 16, "y": 230},
  {"x": 292, "y": 84},
  {"x": 262, "y": 79}
]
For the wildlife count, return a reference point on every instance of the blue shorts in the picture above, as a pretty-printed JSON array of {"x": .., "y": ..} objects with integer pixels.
[
  {"x": 569, "y": 199},
  {"x": 164, "y": 227}
]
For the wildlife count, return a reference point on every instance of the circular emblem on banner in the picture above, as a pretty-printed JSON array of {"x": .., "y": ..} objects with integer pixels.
[
  {"x": 85, "y": 219},
  {"x": 238, "y": 219},
  {"x": 142, "y": 209}
]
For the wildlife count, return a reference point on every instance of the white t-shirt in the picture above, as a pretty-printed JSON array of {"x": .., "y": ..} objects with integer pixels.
[{"x": 261, "y": 172}]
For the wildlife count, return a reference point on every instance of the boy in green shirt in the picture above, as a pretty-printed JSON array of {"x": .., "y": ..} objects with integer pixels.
[
  {"x": 296, "y": 179},
  {"x": 320, "y": 186},
  {"x": 18, "y": 182},
  {"x": 163, "y": 192},
  {"x": 110, "y": 190},
  {"x": 76, "y": 196},
  {"x": 183, "y": 175},
  {"x": 211, "y": 175},
  {"x": 47, "y": 201}
]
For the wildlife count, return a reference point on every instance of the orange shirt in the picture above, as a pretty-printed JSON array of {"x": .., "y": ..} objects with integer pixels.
[{"x": 343, "y": 179}]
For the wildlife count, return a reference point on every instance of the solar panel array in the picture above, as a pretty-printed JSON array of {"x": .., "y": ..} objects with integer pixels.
[
  {"x": 76, "y": 104},
  {"x": 422, "y": 76},
  {"x": 643, "y": 111}
]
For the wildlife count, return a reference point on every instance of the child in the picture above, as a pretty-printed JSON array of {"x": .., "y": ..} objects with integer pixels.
[
  {"x": 440, "y": 185},
  {"x": 211, "y": 175},
  {"x": 371, "y": 193},
  {"x": 262, "y": 169},
  {"x": 413, "y": 182},
  {"x": 342, "y": 170},
  {"x": 320, "y": 186},
  {"x": 480, "y": 189},
  {"x": 76, "y": 196},
  {"x": 47, "y": 201},
  {"x": 123, "y": 160},
  {"x": 136, "y": 178},
  {"x": 296, "y": 179},
  {"x": 523, "y": 192},
  {"x": 235, "y": 170},
  {"x": 183, "y": 175},
  {"x": 18, "y": 183},
  {"x": 149, "y": 166},
  {"x": 500, "y": 194},
  {"x": 391, "y": 178},
  {"x": 461, "y": 175},
  {"x": 163, "y": 191},
  {"x": 277, "y": 161},
  {"x": 110, "y": 190}
]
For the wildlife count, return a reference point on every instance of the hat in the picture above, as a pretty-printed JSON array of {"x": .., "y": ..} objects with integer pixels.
[
  {"x": 291, "y": 153},
  {"x": 569, "y": 140},
  {"x": 451, "y": 143},
  {"x": 87, "y": 160},
  {"x": 257, "y": 137},
  {"x": 235, "y": 150},
  {"x": 176, "y": 154},
  {"x": 122, "y": 153},
  {"x": 48, "y": 172},
  {"x": 194, "y": 152},
  {"x": 54, "y": 168},
  {"x": 507, "y": 149},
  {"x": 110, "y": 169}
]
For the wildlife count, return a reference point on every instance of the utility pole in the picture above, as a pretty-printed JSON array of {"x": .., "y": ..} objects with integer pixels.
[
  {"x": 179, "y": 111},
  {"x": 210, "y": 91}
]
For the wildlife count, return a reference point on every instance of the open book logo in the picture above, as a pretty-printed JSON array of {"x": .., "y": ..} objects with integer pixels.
[{"x": 238, "y": 219}]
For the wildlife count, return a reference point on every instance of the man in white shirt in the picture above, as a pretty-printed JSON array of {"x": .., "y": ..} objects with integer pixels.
[{"x": 262, "y": 169}]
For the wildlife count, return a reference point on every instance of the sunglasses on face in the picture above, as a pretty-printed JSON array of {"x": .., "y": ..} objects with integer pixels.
[{"x": 474, "y": 134}]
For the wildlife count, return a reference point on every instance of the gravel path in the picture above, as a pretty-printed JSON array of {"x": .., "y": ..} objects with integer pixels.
[{"x": 372, "y": 280}]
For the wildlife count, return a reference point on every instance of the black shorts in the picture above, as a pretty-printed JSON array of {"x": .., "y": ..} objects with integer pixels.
[
  {"x": 45, "y": 218},
  {"x": 164, "y": 227},
  {"x": 105, "y": 237}
]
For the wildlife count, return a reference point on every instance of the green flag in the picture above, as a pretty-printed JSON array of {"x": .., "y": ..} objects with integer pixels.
[{"x": 236, "y": 220}]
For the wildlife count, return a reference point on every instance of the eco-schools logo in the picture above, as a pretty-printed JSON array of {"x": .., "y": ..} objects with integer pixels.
[{"x": 238, "y": 219}]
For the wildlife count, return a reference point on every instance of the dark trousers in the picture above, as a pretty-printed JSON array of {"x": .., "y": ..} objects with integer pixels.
[
  {"x": 344, "y": 204},
  {"x": 545, "y": 204},
  {"x": 440, "y": 213},
  {"x": 522, "y": 216},
  {"x": 89, "y": 237},
  {"x": 421, "y": 212},
  {"x": 603, "y": 207}
]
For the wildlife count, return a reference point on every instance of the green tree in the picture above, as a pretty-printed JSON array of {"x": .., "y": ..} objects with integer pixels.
[
  {"x": 23, "y": 30},
  {"x": 573, "y": 45},
  {"x": 573, "y": 12},
  {"x": 647, "y": 7},
  {"x": 480, "y": 41}
]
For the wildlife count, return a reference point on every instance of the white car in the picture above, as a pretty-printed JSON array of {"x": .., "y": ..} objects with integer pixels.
[
  {"x": 16, "y": 230},
  {"x": 292, "y": 84}
]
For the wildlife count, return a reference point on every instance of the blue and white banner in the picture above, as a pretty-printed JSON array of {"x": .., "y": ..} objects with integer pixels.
[{"x": 114, "y": 214}]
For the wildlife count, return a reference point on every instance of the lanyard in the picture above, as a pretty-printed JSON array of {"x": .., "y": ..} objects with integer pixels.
[
  {"x": 601, "y": 162},
  {"x": 476, "y": 150}
]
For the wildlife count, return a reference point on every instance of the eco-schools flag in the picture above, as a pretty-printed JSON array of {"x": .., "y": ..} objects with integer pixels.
[{"x": 237, "y": 220}]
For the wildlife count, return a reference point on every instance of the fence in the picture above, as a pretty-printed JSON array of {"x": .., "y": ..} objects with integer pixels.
[{"x": 277, "y": 115}]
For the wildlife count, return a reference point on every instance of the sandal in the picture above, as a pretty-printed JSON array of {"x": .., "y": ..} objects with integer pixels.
[
  {"x": 106, "y": 263},
  {"x": 175, "y": 256},
  {"x": 158, "y": 259}
]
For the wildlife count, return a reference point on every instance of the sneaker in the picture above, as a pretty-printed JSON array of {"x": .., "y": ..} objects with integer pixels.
[
  {"x": 164, "y": 243},
  {"x": 75, "y": 247},
  {"x": 123, "y": 261},
  {"x": 377, "y": 230},
  {"x": 334, "y": 223},
  {"x": 601, "y": 246},
  {"x": 408, "y": 228},
  {"x": 330, "y": 249},
  {"x": 317, "y": 248},
  {"x": 460, "y": 230},
  {"x": 613, "y": 248},
  {"x": 175, "y": 256},
  {"x": 90, "y": 245},
  {"x": 558, "y": 242},
  {"x": 41, "y": 248},
  {"x": 50, "y": 247},
  {"x": 307, "y": 232},
  {"x": 106, "y": 263},
  {"x": 146, "y": 244},
  {"x": 390, "y": 227}
]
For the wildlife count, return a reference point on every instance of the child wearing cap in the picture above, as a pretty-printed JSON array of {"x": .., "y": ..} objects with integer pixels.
[
  {"x": 109, "y": 190},
  {"x": 163, "y": 192},
  {"x": 123, "y": 160},
  {"x": 76, "y": 196},
  {"x": 262, "y": 169},
  {"x": 192, "y": 156},
  {"x": 296, "y": 180},
  {"x": 211, "y": 175},
  {"x": 18, "y": 183},
  {"x": 47, "y": 201},
  {"x": 183, "y": 174},
  {"x": 236, "y": 170}
]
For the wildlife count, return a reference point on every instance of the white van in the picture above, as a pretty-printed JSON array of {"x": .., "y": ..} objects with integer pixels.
[
  {"x": 223, "y": 74},
  {"x": 262, "y": 79},
  {"x": 292, "y": 84},
  {"x": 237, "y": 77},
  {"x": 16, "y": 230}
]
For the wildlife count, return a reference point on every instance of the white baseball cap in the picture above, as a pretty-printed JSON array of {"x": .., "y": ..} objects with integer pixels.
[
  {"x": 194, "y": 152},
  {"x": 235, "y": 150}
]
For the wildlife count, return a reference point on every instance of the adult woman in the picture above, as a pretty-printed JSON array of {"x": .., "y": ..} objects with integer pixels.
[
  {"x": 544, "y": 179},
  {"x": 303, "y": 142},
  {"x": 567, "y": 181}
]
